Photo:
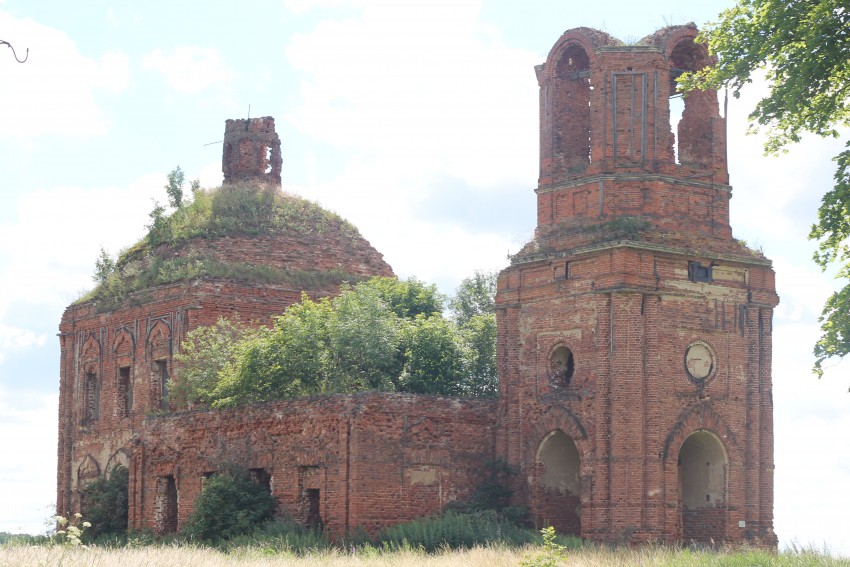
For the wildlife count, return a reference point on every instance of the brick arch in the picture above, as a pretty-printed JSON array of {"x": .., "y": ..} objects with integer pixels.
[
  {"x": 159, "y": 340},
  {"x": 557, "y": 417},
  {"x": 699, "y": 417},
  {"x": 587, "y": 38},
  {"x": 119, "y": 458},
  {"x": 124, "y": 344},
  {"x": 90, "y": 352},
  {"x": 91, "y": 380},
  {"x": 87, "y": 471}
]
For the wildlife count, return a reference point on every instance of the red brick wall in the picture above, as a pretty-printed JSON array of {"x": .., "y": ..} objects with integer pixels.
[
  {"x": 623, "y": 302},
  {"x": 376, "y": 459}
]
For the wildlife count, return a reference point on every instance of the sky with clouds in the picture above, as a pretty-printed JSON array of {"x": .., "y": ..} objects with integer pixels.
[{"x": 415, "y": 120}]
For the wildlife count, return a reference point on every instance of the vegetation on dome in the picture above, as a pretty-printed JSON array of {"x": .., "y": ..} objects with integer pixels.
[{"x": 230, "y": 210}]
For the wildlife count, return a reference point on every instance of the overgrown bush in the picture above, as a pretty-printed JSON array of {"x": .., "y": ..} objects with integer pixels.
[
  {"x": 282, "y": 535},
  {"x": 230, "y": 505},
  {"x": 455, "y": 530},
  {"x": 214, "y": 213},
  {"x": 381, "y": 334},
  {"x": 106, "y": 505}
]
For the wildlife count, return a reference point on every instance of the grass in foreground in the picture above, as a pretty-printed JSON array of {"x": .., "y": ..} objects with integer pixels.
[{"x": 496, "y": 556}]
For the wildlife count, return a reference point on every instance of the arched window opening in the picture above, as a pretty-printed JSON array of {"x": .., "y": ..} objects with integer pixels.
[
  {"x": 561, "y": 366},
  {"x": 691, "y": 115},
  {"x": 703, "y": 468},
  {"x": 572, "y": 112},
  {"x": 558, "y": 501}
]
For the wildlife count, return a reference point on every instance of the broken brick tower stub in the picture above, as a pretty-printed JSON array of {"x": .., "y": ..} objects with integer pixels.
[{"x": 251, "y": 152}]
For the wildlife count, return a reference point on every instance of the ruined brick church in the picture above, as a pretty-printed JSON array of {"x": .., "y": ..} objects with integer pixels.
[{"x": 634, "y": 344}]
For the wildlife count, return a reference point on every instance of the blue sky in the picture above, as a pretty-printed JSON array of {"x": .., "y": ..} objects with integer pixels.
[{"x": 415, "y": 120}]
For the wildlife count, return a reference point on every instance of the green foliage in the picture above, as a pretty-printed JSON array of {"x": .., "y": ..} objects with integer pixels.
[
  {"x": 474, "y": 296},
  {"x": 230, "y": 505},
  {"x": 409, "y": 298},
  {"x": 803, "y": 48},
  {"x": 104, "y": 266},
  {"x": 364, "y": 337},
  {"x": 107, "y": 505},
  {"x": 550, "y": 555},
  {"x": 479, "y": 335},
  {"x": 212, "y": 214},
  {"x": 455, "y": 531},
  {"x": 209, "y": 356},
  {"x": 380, "y": 334},
  {"x": 436, "y": 357},
  {"x": 174, "y": 188},
  {"x": 281, "y": 535}
]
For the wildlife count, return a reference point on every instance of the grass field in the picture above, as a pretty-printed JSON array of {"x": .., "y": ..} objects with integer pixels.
[{"x": 496, "y": 556}]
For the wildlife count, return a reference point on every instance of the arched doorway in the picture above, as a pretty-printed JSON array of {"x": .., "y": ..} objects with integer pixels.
[
  {"x": 558, "y": 480},
  {"x": 703, "y": 469}
]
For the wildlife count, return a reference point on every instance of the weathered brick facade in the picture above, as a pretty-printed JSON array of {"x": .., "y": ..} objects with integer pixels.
[
  {"x": 634, "y": 344},
  {"x": 634, "y": 332}
]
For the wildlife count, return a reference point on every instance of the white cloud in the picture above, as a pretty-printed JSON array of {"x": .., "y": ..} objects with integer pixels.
[
  {"x": 412, "y": 93},
  {"x": 13, "y": 339},
  {"x": 28, "y": 471},
  {"x": 421, "y": 86},
  {"x": 302, "y": 6},
  {"x": 41, "y": 269},
  {"x": 57, "y": 84},
  {"x": 189, "y": 69}
]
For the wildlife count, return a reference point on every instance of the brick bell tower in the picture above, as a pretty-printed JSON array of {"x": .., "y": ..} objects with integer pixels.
[{"x": 634, "y": 346}]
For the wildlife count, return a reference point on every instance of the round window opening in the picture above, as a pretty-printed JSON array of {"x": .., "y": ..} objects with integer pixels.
[
  {"x": 561, "y": 366},
  {"x": 699, "y": 361}
]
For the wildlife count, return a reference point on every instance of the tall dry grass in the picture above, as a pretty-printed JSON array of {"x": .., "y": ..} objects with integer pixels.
[{"x": 495, "y": 556}]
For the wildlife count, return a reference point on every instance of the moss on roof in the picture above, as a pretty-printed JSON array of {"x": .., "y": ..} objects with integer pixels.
[{"x": 232, "y": 210}]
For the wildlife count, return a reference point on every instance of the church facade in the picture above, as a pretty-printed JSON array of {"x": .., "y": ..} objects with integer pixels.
[{"x": 633, "y": 350}]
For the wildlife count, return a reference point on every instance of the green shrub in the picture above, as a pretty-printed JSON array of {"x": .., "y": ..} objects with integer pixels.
[
  {"x": 106, "y": 505},
  {"x": 455, "y": 530},
  {"x": 230, "y": 505},
  {"x": 283, "y": 535}
]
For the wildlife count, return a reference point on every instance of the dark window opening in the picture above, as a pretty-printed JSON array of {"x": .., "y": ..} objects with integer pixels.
[
  {"x": 699, "y": 273},
  {"x": 261, "y": 477},
  {"x": 561, "y": 366},
  {"x": 312, "y": 502},
  {"x": 162, "y": 382},
  {"x": 125, "y": 392},
  {"x": 567, "y": 271},
  {"x": 91, "y": 409},
  {"x": 165, "y": 505}
]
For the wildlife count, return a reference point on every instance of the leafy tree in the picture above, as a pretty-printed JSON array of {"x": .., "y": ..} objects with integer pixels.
[
  {"x": 475, "y": 295},
  {"x": 364, "y": 335},
  {"x": 479, "y": 334},
  {"x": 803, "y": 47},
  {"x": 174, "y": 188},
  {"x": 104, "y": 266},
  {"x": 106, "y": 504},
  {"x": 288, "y": 361},
  {"x": 436, "y": 358},
  {"x": 230, "y": 504},
  {"x": 408, "y": 298},
  {"x": 209, "y": 356},
  {"x": 381, "y": 334}
]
